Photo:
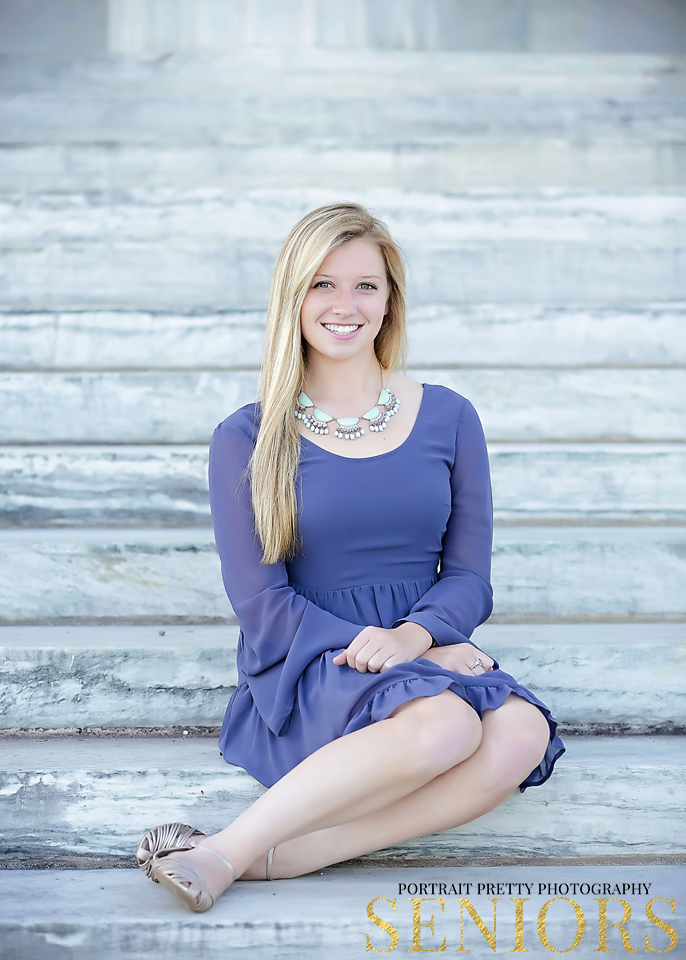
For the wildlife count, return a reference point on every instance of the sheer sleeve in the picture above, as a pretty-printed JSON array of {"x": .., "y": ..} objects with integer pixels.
[
  {"x": 281, "y": 631},
  {"x": 463, "y": 598}
]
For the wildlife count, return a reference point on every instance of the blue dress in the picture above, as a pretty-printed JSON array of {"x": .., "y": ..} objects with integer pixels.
[{"x": 405, "y": 535}]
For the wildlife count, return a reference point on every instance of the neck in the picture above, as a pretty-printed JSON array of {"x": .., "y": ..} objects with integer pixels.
[{"x": 341, "y": 386}]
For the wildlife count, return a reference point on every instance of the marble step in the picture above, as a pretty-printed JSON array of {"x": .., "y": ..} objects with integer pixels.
[
  {"x": 166, "y": 485},
  {"x": 515, "y": 404},
  {"x": 95, "y": 797},
  {"x": 347, "y": 73},
  {"x": 357, "y": 98},
  {"x": 479, "y": 334},
  {"x": 525, "y": 163},
  {"x": 115, "y": 913},
  {"x": 384, "y": 118},
  {"x": 546, "y": 571},
  {"x": 362, "y": 119},
  {"x": 215, "y": 250},
  {"x": 596, "y": 678}
]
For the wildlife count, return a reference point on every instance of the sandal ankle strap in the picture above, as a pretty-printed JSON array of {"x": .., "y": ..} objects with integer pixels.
[{"x": 221, "y": 857}]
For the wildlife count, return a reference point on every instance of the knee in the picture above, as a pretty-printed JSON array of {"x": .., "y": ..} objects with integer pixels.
[
  {"x": 442, "y": 731},
  {"x": 518, "y": 740}
]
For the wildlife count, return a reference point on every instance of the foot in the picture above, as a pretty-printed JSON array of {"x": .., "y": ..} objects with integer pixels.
[{"x": 215, "y": 874}]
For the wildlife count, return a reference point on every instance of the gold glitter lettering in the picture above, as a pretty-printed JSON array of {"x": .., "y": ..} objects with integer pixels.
[
  {"x": 580, "y": 925},
  {"x": 488, "y": 936},
  {"x": 391, "y": 931},
  {"x": 670, "y": 931},
  {"x": 417, "y": 925},
  {"x": 519, "y": 925},
  {"x": 603, "y": 924}
]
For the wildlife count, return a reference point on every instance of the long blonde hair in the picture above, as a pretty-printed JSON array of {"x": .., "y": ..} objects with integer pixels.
[{"x": 274, "y": 463}]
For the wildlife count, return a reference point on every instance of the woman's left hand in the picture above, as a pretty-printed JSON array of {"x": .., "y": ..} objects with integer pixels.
[
  {"x": 461, "y": 658},
  {"x": 375, "y": 649}
]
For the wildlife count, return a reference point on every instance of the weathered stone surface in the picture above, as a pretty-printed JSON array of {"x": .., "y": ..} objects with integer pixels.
[
  {"x": 102, "y": 486},
  {"x": 185, "y": 406},
  {"x": 576, "y": 571},
  {"x": 117, "y": 913},
  {"x": 166, "y": 485},
  {"x": 370, "y": 98},
  {"x": 100, "y": 573},
  {"x": 592, "y": 676},
  {"x": 467, "y": 334},
  {"x": 348, "y": 73},
  {"x": 595, "y": 482},
  {"x": 608, "y": 796},
  {"x": 526, "y": 164},
  {"x": 271, "y": 117},
  {"x": 115, "y": 676},
  {"x": 216, "y": 249},
  {"x": 556, "y": 571}
]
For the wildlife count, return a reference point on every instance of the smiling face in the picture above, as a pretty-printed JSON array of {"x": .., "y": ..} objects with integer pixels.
[{"x": 344, "y": 308}]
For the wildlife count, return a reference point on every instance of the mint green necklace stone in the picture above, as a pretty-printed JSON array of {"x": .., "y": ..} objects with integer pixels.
[{"x": 349, "y": 428}]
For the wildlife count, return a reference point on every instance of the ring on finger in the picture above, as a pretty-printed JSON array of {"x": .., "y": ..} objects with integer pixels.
[{"x": 478, "y": 662}]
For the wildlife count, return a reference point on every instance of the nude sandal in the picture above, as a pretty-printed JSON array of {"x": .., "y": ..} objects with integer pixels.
[
  {"x": 164, "y": 837},
  {"x": 172, "y": 873}
]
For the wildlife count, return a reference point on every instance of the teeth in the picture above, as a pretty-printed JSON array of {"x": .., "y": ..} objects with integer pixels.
[{"x": 340, "y": 330}]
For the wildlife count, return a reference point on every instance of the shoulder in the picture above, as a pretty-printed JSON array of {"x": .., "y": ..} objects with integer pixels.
[
  {"x": 454, "y": 406},
  {"x": 234, "y": 438},
  {"x": 455, "y": 418},
  {"x": 242, "y": 424}
]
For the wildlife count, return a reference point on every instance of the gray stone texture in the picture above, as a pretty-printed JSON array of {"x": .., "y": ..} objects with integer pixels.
[
  {"x": 590, "y": 572},
  {"x": 216, "y": 249},
  {"x": 118, "y": 913},
  {"x": 515, "y": 404},
  {"x": 166, "y": 485},
  {"x": 96, "y": 797},
  {"x": 464, "y": 334},
  {"x": 595, "y": 677},
  {"x": 530, "y": 156}
]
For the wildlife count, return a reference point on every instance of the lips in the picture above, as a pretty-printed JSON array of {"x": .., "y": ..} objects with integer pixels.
[{"x": 342, "y": 329}]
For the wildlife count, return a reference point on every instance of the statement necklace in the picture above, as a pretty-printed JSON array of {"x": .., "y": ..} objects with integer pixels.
[{"x": 348, "y": 427}]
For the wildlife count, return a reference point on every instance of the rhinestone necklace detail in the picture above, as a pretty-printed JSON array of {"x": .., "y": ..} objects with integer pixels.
[{"x": 348, "y": 428}]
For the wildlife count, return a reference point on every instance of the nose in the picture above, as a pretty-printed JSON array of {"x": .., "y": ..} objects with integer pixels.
[{"x": 344, "y": 304}]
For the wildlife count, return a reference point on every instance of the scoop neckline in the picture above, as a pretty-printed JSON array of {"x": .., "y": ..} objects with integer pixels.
[{"x": 376, "y": 456}]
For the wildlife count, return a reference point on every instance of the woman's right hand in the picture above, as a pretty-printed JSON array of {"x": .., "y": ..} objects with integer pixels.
[{"x": 459, "y": 658}]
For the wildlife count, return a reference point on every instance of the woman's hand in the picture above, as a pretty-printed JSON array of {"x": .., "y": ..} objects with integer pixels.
[
  {"x": 459, "y": 658},
  {"x": 375, "y": 649}
]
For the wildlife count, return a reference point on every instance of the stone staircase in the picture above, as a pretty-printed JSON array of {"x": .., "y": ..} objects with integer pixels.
[{"x": 143, "y": 199}]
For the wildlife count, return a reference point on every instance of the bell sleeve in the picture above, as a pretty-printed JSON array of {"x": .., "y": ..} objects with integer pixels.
[
  {"x": 281, "y": 631},
  {"x": 462, "y": 598}
]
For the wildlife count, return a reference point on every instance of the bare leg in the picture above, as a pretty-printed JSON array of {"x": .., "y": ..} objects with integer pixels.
[
  {"x": 349, "y": 778},
  {"x": 513, "y": 743}
]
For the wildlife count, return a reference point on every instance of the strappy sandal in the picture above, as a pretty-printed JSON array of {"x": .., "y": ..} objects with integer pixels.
[
  {"x": 164, "y": 837},
  {"x": 172, "y": 873}
]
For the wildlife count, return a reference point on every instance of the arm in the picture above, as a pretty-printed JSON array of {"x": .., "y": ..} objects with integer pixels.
[
  {"x": 463, "y": 597},
  {"x": 281, "y": 631}
]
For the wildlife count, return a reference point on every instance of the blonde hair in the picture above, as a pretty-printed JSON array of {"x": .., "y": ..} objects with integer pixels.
[{"x": 274, "y": 463}]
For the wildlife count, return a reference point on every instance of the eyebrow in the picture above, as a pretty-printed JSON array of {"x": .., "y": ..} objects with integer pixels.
[{"x": 367, "y": 276}]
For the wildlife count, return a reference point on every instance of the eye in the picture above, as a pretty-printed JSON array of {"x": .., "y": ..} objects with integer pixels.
[
  {"x": 321, "y": 284},
  {"x": 367, "y": 286}
]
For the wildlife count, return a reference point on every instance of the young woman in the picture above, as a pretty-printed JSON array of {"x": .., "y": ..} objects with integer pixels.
[{"x": 352, "y": 514}]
